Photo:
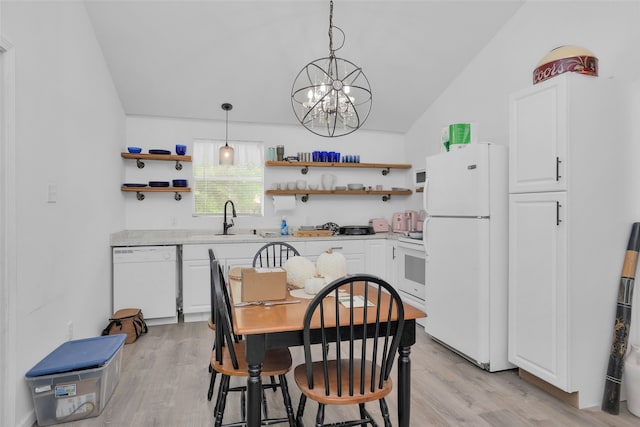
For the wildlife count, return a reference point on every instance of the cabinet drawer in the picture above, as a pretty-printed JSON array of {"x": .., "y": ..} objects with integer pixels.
[
  {"x": 195, "y": 252},
  {"x": 221, "y": 250},
  {"x": 342, "y": 246}
]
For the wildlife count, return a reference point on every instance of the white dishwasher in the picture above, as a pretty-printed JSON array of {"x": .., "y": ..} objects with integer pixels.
[{"x": 146, "y": 277}]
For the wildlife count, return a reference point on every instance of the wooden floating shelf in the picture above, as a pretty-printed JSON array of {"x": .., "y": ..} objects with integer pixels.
[
  {"x": 157, "y": 189},
  {"x": 143, "y": 156},
  {"x": 141, "y": 190},
  {"x": 353, "y": 192},
  {"x": 386, "y": 195},
  {"x": 339, "y": 165},
  {"x": 386, "y": 167}
]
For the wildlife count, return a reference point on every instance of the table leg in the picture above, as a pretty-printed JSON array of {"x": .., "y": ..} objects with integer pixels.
[
  {"x": 255, "y": 357},
  {"x": 404, "y": 386}
]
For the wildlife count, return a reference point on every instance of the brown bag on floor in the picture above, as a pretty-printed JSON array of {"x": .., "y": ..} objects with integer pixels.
[{"x": 128, "y": 321}]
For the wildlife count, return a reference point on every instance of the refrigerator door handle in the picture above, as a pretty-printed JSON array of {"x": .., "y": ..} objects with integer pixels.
[
  {"x": 425, "y": 235},
  {"x": 424, "y": 194},
  {"x": 558, "y": 161}
]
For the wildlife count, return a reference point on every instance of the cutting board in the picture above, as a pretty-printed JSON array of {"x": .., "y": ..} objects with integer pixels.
[{"x": 313, "y": 233}]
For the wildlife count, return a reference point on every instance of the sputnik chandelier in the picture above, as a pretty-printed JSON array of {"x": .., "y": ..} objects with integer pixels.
[{"x": 331, "y": 96}]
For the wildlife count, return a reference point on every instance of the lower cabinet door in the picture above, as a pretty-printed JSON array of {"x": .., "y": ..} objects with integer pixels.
[
  {"x": 538, "y": 288},
  {"x": 196, "y": 283}
]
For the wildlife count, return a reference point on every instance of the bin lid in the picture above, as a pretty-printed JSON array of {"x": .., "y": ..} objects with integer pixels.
[{"x": 79, "y": 354}]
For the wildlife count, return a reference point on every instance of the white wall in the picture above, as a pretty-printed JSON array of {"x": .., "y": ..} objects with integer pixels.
[
  {"x": 480, "y": 94},
  {"x": 162, "y": 211},
  {"x": 69, "y": 129}
]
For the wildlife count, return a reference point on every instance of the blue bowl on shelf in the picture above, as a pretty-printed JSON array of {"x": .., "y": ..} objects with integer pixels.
[
  {"x": 134, "y": 150},
  {"x": 180, "y": 182},
  {"x": 181, "y": 150}
]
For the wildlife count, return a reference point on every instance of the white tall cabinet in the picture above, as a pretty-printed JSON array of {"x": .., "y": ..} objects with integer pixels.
[{"x": 569, "y": 219}]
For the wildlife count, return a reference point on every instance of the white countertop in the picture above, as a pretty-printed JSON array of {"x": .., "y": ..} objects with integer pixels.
[{"x": 185, "y": 237}]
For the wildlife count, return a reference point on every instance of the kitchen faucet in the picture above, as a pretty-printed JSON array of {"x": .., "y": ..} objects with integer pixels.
[{"x": 226, "y": 226}]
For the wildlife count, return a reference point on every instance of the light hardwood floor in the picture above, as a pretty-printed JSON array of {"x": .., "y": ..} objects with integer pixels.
[{"x": 164, "y": 381}]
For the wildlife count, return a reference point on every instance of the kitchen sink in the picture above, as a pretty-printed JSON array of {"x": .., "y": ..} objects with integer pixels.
[
  {"x": 211, "y": 236},
  {"x": 232, "y": 236}
]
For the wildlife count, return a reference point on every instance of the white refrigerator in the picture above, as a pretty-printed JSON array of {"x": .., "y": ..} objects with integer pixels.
[{"x": 466, "y": 242}]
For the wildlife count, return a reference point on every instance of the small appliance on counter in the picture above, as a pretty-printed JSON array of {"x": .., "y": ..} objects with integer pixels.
[
  {"x": 399, "y": 223},
  {"x": 356, "y": 230},
  {"x": 380, "y": 225},
  {"x": 405, "y": 222},
  {"x": 412, "y": 220}
]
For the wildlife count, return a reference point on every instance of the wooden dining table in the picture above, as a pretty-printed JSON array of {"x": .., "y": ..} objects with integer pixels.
[{"x": 280, "y": 326}]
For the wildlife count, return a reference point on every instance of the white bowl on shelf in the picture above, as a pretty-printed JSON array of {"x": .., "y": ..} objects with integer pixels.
[
  {"x": 313, "y": 186},
  {"x": 355, "y": 186}
]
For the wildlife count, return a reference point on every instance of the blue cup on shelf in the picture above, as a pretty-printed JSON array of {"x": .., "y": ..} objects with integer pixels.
[
  {"x": 181, "y": 150},
  {"x": 356, "y": 158},
  {"x": 315, "y": 156},
  {"x": 324, "y": 156}
]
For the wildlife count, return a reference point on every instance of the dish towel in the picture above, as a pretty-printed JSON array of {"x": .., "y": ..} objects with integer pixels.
[{"x": 284, "y": 203}]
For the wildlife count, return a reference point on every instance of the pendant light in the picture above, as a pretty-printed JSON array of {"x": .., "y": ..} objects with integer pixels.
[
  {"x": 331, "y": 96},
  {"x": 226, "y": 153}
]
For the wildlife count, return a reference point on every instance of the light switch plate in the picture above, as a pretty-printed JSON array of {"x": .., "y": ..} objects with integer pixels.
[{"x": 52, "y": 193}]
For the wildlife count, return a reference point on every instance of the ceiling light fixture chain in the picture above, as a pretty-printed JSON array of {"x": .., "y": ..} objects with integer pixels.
[
  {"x": 331, "y": 96},
  {"x": 331, "y": 51}
]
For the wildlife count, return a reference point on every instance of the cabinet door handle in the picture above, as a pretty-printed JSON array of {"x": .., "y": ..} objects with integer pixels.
[
  {"x": 394, "y": 252},
  {"x": 558, "y": 161},
  {"x": 558, "y": 206},
  {"x": 334, "y": 248}
]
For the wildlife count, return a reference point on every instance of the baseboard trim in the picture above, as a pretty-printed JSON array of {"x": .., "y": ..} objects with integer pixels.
[{"x": 569, "y": 398}]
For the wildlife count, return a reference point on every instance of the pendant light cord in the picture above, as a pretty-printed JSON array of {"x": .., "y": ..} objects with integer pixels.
[{"x": 226, "y": 132}]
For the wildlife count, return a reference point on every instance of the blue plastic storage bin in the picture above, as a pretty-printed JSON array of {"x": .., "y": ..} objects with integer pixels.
[{"x": 76, "y": 380}]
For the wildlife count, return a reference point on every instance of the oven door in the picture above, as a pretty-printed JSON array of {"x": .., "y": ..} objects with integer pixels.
[{"x": 411, "y": 274}]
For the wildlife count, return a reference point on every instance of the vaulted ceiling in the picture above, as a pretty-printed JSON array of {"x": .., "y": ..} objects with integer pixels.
[{"x": 184, "y": 59}]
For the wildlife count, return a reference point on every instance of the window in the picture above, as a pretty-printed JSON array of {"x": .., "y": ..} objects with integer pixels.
[{"x": 242, "y": 182}]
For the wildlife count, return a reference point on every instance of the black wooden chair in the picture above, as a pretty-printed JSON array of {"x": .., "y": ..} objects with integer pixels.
[
  {"x": 229, "y": 359},
  {"x": 274, "y": 254},
  {"x": 357, "y": 371},
  {"x": 212, "y": 325}
]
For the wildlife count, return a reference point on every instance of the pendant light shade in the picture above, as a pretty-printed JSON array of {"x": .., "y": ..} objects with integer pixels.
[
  {"x": 331, "y": 96},
  {"x": 226, "y": 153}
]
